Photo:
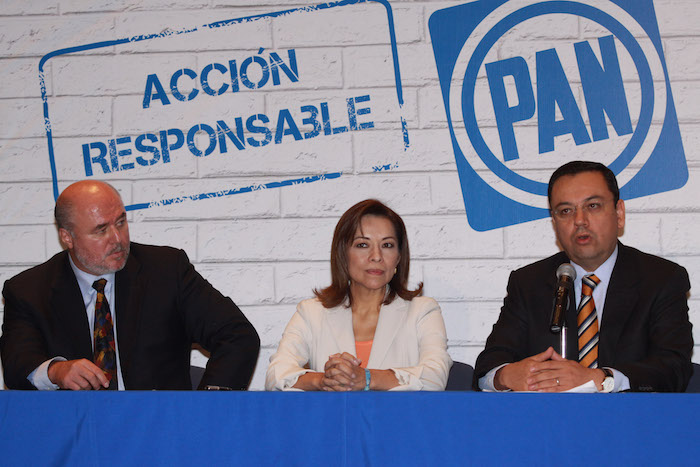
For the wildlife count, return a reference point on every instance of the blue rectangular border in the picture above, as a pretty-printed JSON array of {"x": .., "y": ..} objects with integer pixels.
[{"x": 219, "y": 24}]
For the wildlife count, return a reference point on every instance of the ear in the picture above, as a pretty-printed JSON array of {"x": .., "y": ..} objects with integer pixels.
[
  {"x": 620, "y": 210},
  {"x": 66, "y": 238}
]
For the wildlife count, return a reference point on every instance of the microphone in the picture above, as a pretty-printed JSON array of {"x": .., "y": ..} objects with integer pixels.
[{"x": 565, "y": 275}]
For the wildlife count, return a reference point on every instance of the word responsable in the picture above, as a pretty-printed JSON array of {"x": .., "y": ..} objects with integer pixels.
[
  {"x": 125, "y": 153},
  {"x": 308, "y": 121}
]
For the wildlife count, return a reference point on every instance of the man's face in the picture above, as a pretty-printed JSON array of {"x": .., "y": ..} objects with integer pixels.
[
  {"x": 586, "y": 220},
  {"x": 99, "y": 238}
]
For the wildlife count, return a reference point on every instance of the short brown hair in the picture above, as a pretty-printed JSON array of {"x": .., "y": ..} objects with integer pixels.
[{"x": 339, "y": 290}]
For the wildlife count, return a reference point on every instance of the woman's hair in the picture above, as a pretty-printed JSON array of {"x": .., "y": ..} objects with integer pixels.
[{"x": 339, "y": 290}]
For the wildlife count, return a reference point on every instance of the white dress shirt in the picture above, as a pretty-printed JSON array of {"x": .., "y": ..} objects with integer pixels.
[{"x": 40, "y": 376}]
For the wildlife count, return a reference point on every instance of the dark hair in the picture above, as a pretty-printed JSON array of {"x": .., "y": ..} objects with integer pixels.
[
  {"x": 339, "y": 290},
  {"x": 577, "y": 167}
]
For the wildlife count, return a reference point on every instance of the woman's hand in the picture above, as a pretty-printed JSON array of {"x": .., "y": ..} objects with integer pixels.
[{"x": 342, "y": 372}]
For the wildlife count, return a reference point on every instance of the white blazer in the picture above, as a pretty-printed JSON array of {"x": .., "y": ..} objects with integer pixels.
[{"x": 410, "y": 339}]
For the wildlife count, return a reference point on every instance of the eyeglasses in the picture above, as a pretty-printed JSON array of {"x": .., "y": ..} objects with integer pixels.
[{"x": 590, "y": 208}]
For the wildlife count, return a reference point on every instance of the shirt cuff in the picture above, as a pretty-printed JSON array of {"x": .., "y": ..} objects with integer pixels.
[
  {"x": 486, "y": 382},
  {"x": 40, "y": 376}
]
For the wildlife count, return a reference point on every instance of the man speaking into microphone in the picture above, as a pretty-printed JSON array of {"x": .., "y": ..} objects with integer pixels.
[{"x": 628, "y": 326}]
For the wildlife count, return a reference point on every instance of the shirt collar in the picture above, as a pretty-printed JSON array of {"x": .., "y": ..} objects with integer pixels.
[
  {"x": 85, "y": 280},
  {"x": 603, "y": 272}
]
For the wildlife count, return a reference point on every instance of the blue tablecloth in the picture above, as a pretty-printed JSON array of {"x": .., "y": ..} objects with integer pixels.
[{"x": 258, "y": 428}]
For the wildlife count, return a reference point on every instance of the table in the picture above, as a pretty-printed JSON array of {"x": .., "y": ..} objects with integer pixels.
[{"x": 263, "y": 428}]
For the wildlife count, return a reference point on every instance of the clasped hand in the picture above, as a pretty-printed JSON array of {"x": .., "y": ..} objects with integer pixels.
[
  {"x": 546, "y": 372},
  {"x": 342, "y": 372}
]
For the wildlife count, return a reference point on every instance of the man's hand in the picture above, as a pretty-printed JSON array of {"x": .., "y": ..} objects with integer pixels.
[
  {"x": 559, "y": 374},
  {"x": 514, "y": 376},
  {"x": 77, "y": 375}
]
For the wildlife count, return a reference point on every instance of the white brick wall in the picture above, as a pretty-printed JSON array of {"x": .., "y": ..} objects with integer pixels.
[{"x": 268, "y": 249}]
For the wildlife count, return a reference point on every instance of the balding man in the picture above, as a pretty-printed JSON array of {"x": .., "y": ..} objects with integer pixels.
[{"x": 108, "y": 313}]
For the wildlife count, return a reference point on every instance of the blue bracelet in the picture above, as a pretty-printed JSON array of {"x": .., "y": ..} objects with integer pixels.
[{"x": 368, "y": 378}]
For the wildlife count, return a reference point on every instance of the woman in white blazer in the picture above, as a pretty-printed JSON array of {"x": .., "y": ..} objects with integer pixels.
[{"x": 366, "y": 331}]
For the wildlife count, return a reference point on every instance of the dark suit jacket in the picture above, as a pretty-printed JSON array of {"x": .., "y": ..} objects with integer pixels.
[
  {"x": 645, "y": 332},
  {"x": 162, "y": 306}
]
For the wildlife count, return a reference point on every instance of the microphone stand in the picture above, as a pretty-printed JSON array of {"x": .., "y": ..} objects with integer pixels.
[
  {"x": 562, "y": 303},
  {"x": 565, "y": 329},
  {"x": 562, "y": 337}
]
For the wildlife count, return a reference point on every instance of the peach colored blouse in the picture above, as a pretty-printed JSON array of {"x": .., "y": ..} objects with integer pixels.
[{"x": 363, "y": 349}]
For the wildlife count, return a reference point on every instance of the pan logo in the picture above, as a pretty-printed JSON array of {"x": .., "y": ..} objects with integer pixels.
[{"x": 529, "y": 85}]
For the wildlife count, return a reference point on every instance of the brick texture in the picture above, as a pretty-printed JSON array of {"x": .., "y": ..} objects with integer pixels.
[{"x": 269, "y": 248}]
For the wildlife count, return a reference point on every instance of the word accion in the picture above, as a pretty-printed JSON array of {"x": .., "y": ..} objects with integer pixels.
[
  {"x": 256, "y": 65},
  {"x": 119, "y": 154}
]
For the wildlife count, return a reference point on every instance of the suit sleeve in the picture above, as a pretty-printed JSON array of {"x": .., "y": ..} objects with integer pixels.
[
  {"x": 22, "y": 344},
  {"x": 667, "y": 365},
  {"x": 293, "y": 354},
  {"x": 507, "y": 342},
  {"x": 218, "y": 325},
  {"x": 432, "y": 370}
]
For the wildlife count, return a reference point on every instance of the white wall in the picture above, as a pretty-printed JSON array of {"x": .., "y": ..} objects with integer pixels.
[{"x": 268, "y": 249}]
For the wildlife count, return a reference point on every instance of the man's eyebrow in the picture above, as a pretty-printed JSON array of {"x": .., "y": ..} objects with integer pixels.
[
  {"x": 99, "y": 227},
  {"x": 591, "y": 198},
  {"x": 569, "y": 203}
]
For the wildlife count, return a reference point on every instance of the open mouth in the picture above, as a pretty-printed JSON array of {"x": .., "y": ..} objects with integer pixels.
[{"x": 583, "y": 238}]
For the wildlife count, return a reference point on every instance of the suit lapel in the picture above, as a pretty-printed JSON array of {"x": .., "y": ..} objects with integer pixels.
[
  {"x": 620, "y": 301},
  {"x": 339, "y": 320},
  {"x": 128, "y": 297},
  {"x": 68, "y": 306},
  {"x": 391, "y": 317}
]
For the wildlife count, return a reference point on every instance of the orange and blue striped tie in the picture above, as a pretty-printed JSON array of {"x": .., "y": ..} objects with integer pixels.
[
  {"x": 588, "y": 323},
  {"x": 105, "y": 355}
]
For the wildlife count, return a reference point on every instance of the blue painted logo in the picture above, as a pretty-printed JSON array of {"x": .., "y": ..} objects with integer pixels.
[
  {"x": 529, "y": 85},
  {"x": 217, "y": 117}
]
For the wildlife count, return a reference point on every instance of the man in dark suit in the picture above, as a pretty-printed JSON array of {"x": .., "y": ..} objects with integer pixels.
[
  {"x": 637, "y": 336},
  {"x": 154, "y": 306}
]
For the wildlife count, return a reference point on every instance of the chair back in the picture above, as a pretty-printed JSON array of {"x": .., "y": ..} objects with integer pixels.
[
  {"x": 694, "y": 384},
  {"x": 460, "y": 377}
]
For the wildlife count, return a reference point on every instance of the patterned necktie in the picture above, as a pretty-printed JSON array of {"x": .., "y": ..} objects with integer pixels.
[
  {"x": 105, "y": 354},
  {"x": 588, "y": 324}
]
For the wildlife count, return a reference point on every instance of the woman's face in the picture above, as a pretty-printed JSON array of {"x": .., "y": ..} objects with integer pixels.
[{"x": 373, "y": 253}]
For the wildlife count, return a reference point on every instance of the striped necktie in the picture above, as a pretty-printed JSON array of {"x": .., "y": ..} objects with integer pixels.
[
  {"x": 588, "y": 324},
  {"x": 105, "y": 354}
]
